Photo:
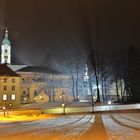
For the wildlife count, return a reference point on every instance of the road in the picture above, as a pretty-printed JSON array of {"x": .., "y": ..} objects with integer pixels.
[{"x": 99, "y": 126}]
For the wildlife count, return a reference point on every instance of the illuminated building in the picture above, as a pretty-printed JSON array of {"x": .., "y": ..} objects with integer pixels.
[
  {"x": 36, "y": 81},
  {"x": 10, "y": 87}
]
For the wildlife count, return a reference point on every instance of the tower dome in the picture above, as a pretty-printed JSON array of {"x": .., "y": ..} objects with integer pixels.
[{"x": 6, "y": 40}]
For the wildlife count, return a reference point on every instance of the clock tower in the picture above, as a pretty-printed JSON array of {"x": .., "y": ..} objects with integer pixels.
[{"x": 6, "y": 50}]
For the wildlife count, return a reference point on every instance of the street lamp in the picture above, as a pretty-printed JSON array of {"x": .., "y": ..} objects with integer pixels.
[
  {"x": 63, "y": 96},
  {"x": 35, "y": 99},
  {"x": 25, "y": 100},
  {"x": 92, "y": 102},
  {"x": 4, "y": 108},
  {"x": 109, "y": 103},
  {"x": 63, "y": 105}
]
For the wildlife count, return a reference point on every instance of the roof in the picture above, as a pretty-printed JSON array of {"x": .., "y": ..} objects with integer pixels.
[
  {"x": 6, "y": 71},
  {"x": 5, "y": 41},
  {"x": 39, "y": 69}
]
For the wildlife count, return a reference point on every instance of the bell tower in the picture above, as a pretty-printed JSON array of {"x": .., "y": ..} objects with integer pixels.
[{"x": 6, "y": 50}]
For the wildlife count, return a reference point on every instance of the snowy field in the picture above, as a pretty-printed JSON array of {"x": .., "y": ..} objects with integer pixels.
[{"x": 109, "y": 126}]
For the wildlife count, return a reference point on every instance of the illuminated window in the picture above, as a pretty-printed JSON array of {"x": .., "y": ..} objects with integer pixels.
[
  {"x": 13, "y": 97},
  {"x": 13, "y": 87},
  {"x": 13, "y": 80},
  {"x": 5, "y": 88},
  {"x": 4, "y": 97}
]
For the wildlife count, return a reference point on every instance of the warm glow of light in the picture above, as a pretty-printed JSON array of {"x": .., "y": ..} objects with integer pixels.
[
  {"x": 13, "y": 96},
  {"x": 17, "y": 118},
  {"x": 109, "y": 102},
  {"x": 4, "y": 97},
  {"x": 63, "y": 105},
  {"x": 4, "y": 108}
]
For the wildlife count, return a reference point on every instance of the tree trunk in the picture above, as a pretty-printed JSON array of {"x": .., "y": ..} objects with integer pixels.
[
  {"x": 77, "y": 75},
  {"x": 103, "y": 89},
  {"x": 97, "y": 84},
  {"x": 73, "y": 85},
  {"x": 117, "y": 92},
  {"x": 106, "y": 95}
]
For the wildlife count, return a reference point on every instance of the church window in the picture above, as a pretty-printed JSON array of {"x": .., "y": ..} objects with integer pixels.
[
  {"x": 6, "y": 51},
  {"x": 5, "y": 61},
  {"x": 35, "y": 93},
  {"x": 23, "y": 80},
  {"x": 5, "y": 57}
]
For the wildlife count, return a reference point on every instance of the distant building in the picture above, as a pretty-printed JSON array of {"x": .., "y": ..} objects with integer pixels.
[{"x": 10, "y": 87}]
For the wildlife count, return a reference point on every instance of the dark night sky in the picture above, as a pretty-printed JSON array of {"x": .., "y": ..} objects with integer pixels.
[{"x": 56, "y": 28}]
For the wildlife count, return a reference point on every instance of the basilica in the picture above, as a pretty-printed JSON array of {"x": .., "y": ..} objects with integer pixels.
[{"x": 22, "y": 84}]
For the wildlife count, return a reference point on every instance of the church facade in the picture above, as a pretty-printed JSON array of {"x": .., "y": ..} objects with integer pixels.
[{"x": 38, "y": 84}]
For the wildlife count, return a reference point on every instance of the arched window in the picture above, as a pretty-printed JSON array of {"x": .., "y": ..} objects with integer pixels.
[
  {"x": 35, "y": 93},
  {"x": 6, "y": 50},
  {"x": 23, "y": 80},
  {"x": 5, "y": 61},
  {"x": 24, "y": 93}
]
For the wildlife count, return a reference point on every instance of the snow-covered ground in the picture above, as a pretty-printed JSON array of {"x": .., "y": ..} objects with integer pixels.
[{"x": 124, "y": 126}]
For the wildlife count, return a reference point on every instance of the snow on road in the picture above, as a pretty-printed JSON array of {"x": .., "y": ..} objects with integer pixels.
[
  {"x": 66, "y": 125},
  {"x": 119, "y": 128},
  {"x": 123, "y": 126}
]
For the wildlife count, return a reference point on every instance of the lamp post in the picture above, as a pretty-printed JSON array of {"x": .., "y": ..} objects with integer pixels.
[
  {"x": 109, "y": 103},
  {"x": 4, "y": 108},
  {"x": 92, "y": 102},
  {"x": 63, "y": 105},
  {"x": 35, "y": 99}
]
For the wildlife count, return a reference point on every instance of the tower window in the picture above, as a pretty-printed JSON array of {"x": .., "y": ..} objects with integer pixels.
[
  {"x": 6, "y": 51},
  {"x": 5, "y": 57},
  {"x": 5, "y": 61}
]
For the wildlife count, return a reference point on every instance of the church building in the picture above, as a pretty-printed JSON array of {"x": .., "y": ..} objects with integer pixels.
[{"x": 36, "y": 81}]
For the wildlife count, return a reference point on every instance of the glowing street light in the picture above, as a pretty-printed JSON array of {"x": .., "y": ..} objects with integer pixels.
[
  {"x": 63, "y": 105},
  {"x": 92, "y": 101},
  {"x": 109, "y": 103},
  {"x": 35, "y": 99},
  {"x": 40, "y": 97}
]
